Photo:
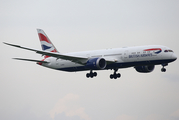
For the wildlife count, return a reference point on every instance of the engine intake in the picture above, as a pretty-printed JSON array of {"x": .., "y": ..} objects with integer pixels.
[
  {"x": 145, "y": 69},
  {"x": 96, "y": 63}
]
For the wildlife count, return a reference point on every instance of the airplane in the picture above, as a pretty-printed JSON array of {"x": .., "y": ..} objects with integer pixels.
[{"x": 142, "y": 58}]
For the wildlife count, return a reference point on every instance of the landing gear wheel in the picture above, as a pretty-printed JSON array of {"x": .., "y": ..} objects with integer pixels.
[
  {"x": 87, "y": 75},
  {"x": 111, "y": 76},
  {"x": 91, "y": 74},
  {"x": 118, "y": 75},
  {"x": 163, "y": 70},
  {"x": 95, "y": 74},
  {"x": 115, "y": 76}
]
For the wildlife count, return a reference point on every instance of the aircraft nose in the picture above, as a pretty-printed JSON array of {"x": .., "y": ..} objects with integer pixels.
[{"x": 174, "y": 57}]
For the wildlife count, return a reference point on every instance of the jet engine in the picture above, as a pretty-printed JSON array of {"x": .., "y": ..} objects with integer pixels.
[
  {"x": 96, "y": 63},
  {"x": 145, "y": 69}
]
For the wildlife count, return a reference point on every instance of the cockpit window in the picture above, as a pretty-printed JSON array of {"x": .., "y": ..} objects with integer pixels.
[{"x": 166, "y": 51}]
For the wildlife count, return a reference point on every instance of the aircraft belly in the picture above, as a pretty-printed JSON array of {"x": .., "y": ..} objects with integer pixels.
[{"x": 138, "y": 63}]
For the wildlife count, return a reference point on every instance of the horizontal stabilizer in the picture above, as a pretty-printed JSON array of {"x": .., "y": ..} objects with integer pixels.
[{"x": 31, "y": 60}]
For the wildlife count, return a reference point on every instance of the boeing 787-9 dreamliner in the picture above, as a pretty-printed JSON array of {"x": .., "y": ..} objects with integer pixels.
[{"x": 142, "y": 58}]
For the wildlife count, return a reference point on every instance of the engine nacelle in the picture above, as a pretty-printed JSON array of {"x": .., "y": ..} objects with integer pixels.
[
  {"x": 96, "y": 63},
  {"x": 145, "y": 69}
]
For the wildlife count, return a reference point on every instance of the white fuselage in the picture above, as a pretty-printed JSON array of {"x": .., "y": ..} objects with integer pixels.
[{"x": 120, "y": 57}]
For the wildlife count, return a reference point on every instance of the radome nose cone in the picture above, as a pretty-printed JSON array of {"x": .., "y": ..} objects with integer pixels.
[{"x": 174, "y": 57}]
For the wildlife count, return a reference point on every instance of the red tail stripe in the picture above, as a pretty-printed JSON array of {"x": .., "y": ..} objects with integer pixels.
[
  {"x": 43, "y": 38},
  {"x": 54, "y": 50}
]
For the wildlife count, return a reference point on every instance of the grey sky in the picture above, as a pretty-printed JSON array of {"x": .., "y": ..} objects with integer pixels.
[{"x": 29, "y": 91}]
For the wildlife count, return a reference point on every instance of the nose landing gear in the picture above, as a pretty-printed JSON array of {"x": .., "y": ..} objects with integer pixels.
[
  {"x": 164, "y": 69},
  {"x": 115, "y": 75}
]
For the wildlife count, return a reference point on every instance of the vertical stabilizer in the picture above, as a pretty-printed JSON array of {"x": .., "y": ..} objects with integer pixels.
[{"x": 46, "y": 44}]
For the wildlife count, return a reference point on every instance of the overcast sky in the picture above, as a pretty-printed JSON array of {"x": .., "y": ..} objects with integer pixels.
[{"x": 29, "y": 91}]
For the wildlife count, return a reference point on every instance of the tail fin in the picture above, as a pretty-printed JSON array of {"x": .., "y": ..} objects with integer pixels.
[{"x": 46, "y": 44}]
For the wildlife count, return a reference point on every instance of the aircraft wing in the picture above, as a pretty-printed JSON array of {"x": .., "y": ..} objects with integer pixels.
[
  {"x": 80, "y": 60},
  {"x": 76, "y": 59}
]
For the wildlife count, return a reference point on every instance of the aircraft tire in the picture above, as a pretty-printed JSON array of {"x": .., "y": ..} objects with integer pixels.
[
  {"x": 163, "y": 70},
  {"x": 111, "y": 76},
  {"x": 115, "y": 76},
  {"x": 118, "y": 75},
  {"x": 95, "y": 74},
  {"x": 87, "y": 75}
]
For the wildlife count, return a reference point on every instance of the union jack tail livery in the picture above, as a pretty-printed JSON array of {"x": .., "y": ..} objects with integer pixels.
[{"x": 46, "y": 44}]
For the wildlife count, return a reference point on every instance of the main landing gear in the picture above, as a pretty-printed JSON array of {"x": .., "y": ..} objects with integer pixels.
[
  {"x": 91, "y": 74},
  {"x": 164, "y": 69},
  {"x": 115, "y": 75}
]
